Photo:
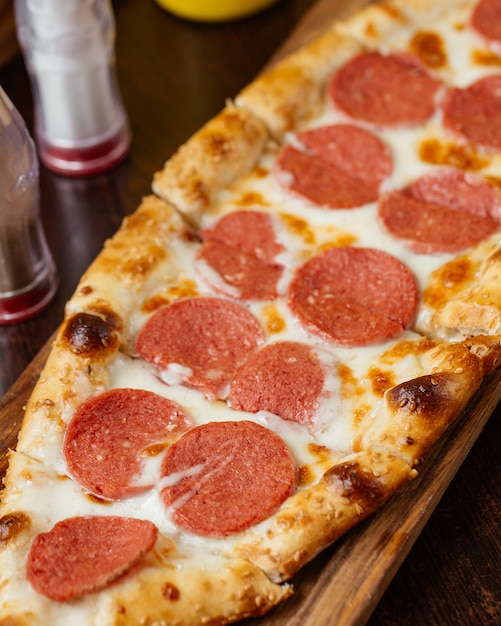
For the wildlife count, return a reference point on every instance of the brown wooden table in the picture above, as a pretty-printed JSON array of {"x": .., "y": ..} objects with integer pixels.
[{"x": 174, "y": 75}]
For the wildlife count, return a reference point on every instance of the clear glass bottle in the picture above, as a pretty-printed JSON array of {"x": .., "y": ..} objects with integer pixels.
[
  {"x": 28, "y": 277},
  {"x": 81, "y": 126}
]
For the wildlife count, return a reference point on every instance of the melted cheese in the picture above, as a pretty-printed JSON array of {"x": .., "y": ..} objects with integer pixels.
[{"x": 460, "y": 55}]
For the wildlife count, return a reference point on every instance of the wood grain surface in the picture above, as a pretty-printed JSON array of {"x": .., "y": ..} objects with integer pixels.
[
  {"x": 344, "y": 584},
  {"x": 9, "y": 46}
]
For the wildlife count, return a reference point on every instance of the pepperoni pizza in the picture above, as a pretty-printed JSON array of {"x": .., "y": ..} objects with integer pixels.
[{"x": 267, "y": 348}]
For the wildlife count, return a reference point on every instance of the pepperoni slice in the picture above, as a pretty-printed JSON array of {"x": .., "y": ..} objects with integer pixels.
[
  {"x": 84, "y": 554},
  {"x": 339, "y": 166},
  {"x": 486, "y": 20},
  {"x": 354, "y": 296},
  {"x": 223, "y": 477},
  {"x": 200, "y": 342},
  {"x": 385, "y": 90},
  {"x": 241, "y": 249},
  {"x": 446, "y": 211},
  {"x": 107, "y": 434},
  {"x": 285, "y": 378},
  {"x": 238, "y": 273},
  {"x": 474, "y": 113},
  {"x": 252, "y": 231}
]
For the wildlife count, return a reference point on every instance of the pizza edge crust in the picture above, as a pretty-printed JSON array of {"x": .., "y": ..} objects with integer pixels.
[{"x": 224, "y": 149}]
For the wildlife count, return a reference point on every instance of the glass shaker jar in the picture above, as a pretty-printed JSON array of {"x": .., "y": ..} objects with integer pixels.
[{"x": 81, "y": 126}]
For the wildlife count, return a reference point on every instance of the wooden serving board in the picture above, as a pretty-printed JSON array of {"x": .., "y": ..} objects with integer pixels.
[{"x": 343, "y": 585}]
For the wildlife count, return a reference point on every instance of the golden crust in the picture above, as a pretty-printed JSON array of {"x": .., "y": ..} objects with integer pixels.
[
  {"x": 312, "y": 519},
  {"x": 196, "y": 591},
  {"x": 417, "y": 412},
  {"x": 67, "y": 379},
  {"x": 292, "y": 92},
  {"x": 133, "y": 263},
  {"x": 463, "y": 297},
  {"x": 226, "y": 148}
]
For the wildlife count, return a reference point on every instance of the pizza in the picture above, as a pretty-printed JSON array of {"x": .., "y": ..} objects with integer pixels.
[{"x": 268, "y": 347}]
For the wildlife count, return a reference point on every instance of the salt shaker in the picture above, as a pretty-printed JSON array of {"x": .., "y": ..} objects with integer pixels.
[
  {"x": 81, "y": 126},
  {"x": 28, "y": 277}
]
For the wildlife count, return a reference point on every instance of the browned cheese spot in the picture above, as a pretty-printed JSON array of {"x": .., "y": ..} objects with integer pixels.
[
  {"x": 464, "y": 157},
  {"x": 185, "y": 289},
  {"x": 359, "y": 414},
  {"x": 91, "y": 335},
  {"x": 261, "y": 172},
  {"x": 338, "y": 240},
  {"x": 449, "y": 280},
  {"x": 11, "y": 525},
  {"x": 350, "y": 385},
  {"x": 322, "y": 453},
  {"x": 305, "y": 475},
  {"x": 274, "y": 322},
  {"x": 251, "y": 199},
  {"x": 298, "y": 226},
  {"x": 154, "y": 450},
  {"x": 380, "y": 380},
  {"x": 486, "y": 57},
  {"x": 428, "y": 46},
  {"x": 370, "y": 30},
  {"x": 345, "y": 373},
  {"x": 392, "y": 11},
  {"x": 155, "y": 303},
  {"x": 322, "y": 457},
  {"x": 403, "y": 349}
]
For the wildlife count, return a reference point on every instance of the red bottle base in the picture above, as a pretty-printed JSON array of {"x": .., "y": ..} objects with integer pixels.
[
  {"x": 21, "y": 307},
  {"x": 84, "y": 161}
]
